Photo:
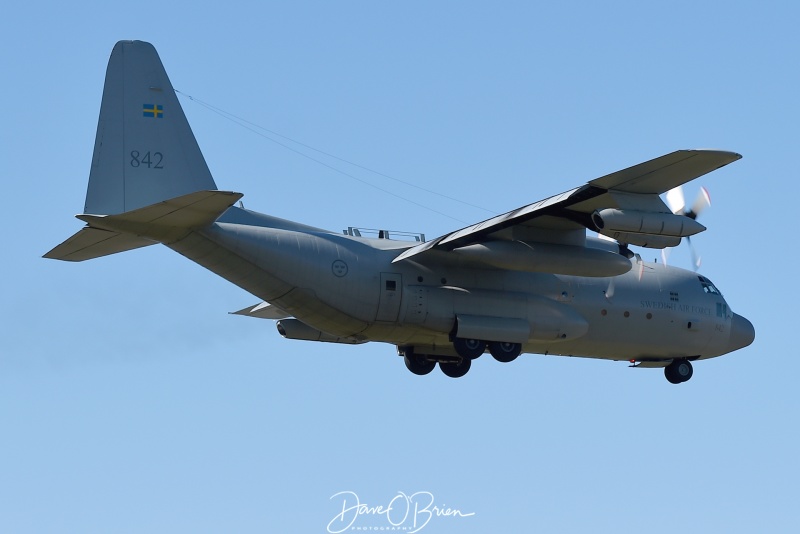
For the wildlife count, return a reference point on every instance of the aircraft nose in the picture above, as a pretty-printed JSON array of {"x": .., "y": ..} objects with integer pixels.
[{"x": 742, "y": 333}]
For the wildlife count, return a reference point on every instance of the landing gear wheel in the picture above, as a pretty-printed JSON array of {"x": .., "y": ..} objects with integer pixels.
[
  {"x": 505, "y": 352},
  {"x": 456, "y": 369},
  {"x": 678, "y": 371},
  {"x": 469, "y": 348},
  {"x": 418, "y": 364}
]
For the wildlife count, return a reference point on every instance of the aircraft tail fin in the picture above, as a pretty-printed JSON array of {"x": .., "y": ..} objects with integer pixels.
[
  {"x": 145, "y": 151},
  {"x": 148, "y": 182}
]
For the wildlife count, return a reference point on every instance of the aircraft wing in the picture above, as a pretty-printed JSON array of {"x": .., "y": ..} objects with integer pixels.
[{"x": 562, "y": 219}]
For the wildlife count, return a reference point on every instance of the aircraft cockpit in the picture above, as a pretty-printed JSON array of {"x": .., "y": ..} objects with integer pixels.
[{"x": 708, "y": 286}]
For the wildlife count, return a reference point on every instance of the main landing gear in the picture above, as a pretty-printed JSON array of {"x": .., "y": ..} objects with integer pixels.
[
  {"x": 505, "y": 352},
  {"x": 500, "y": 351},
  {"x": 456, "y": 369},
  {"x": 678, "y": 371},
  {"x": 418, "y": 364},
  {"x": 422, "y": 364},
  {"x": 466, "y": 350},
  {"x": 469, "y": 348}
]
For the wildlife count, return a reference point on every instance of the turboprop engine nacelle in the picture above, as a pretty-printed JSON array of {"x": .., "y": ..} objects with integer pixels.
[
  {"x": 645, "y": 240},
  {"x": 610, "y": 221},
  {"x": 548, "y": 258}
]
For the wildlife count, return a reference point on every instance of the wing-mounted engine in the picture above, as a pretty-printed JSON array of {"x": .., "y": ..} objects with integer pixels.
[
  {"x": 645, "y": 228},
  {"x": 547, "y": 258}
]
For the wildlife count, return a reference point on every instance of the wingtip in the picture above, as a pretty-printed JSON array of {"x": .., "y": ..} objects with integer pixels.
[{"x": 732, "y": 155}]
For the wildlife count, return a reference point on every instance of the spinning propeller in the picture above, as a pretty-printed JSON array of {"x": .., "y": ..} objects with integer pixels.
[{"x": 677, "y": 204}]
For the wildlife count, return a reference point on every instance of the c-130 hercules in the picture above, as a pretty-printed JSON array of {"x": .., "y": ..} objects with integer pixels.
[{"x": 529, "y": 280}]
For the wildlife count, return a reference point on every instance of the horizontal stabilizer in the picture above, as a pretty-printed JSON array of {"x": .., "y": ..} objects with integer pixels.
[
  {"x": 163, "y": 222},
  {"x": 169, "y": 220},
  {"x": 90, "y": 243},
  {"x": 265, "y": 310}
]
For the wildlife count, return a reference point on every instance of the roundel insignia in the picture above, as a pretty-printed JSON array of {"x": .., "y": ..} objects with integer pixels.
[{"x": 339, "y": 268}]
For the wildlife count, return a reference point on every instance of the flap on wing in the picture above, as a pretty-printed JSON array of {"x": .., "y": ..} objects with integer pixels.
[
  {"x": 264, "y": 310},
  {"x": 560, "y": 229}
]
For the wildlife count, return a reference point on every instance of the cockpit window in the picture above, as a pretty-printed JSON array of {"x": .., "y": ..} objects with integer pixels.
[{"x": 708, "y": 287}]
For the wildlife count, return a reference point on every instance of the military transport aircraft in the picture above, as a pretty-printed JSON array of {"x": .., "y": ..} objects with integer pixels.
[{"x": 529, "y": 280}]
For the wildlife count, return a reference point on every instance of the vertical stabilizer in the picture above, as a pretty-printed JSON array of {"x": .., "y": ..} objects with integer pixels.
[{"x": 144, "y": 151}]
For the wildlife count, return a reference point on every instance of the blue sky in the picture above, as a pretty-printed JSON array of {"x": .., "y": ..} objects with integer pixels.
[{"x": 130, "y": 401}]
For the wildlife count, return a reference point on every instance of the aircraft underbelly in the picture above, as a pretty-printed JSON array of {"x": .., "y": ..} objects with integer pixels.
[{"x": 230, "y": 266}]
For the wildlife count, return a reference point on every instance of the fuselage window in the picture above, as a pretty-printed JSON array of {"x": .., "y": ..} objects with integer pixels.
[{"x": 708, "y": 287}]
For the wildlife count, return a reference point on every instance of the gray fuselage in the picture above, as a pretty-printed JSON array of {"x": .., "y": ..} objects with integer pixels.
[{"x": 348, "y": 287}]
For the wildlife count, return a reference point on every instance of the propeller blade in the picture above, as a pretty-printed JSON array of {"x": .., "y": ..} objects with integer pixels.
[
  {"x": 702, "y": 201},
  {"x": 696, "y": 260},
  {"x": 665, "y": 254},
  {"x": 606, "y": 238},
  {"x": 677, "y": 203},
  {"x": 676, "y": 200},
  {"x": 611, "y": 288}
]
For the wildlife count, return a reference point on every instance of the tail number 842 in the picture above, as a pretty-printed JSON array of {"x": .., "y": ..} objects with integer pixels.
[{"x": 154, "y": 160}]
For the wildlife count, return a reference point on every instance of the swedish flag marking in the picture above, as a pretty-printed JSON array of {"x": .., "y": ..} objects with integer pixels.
[{"x": 153, "y": 110}]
